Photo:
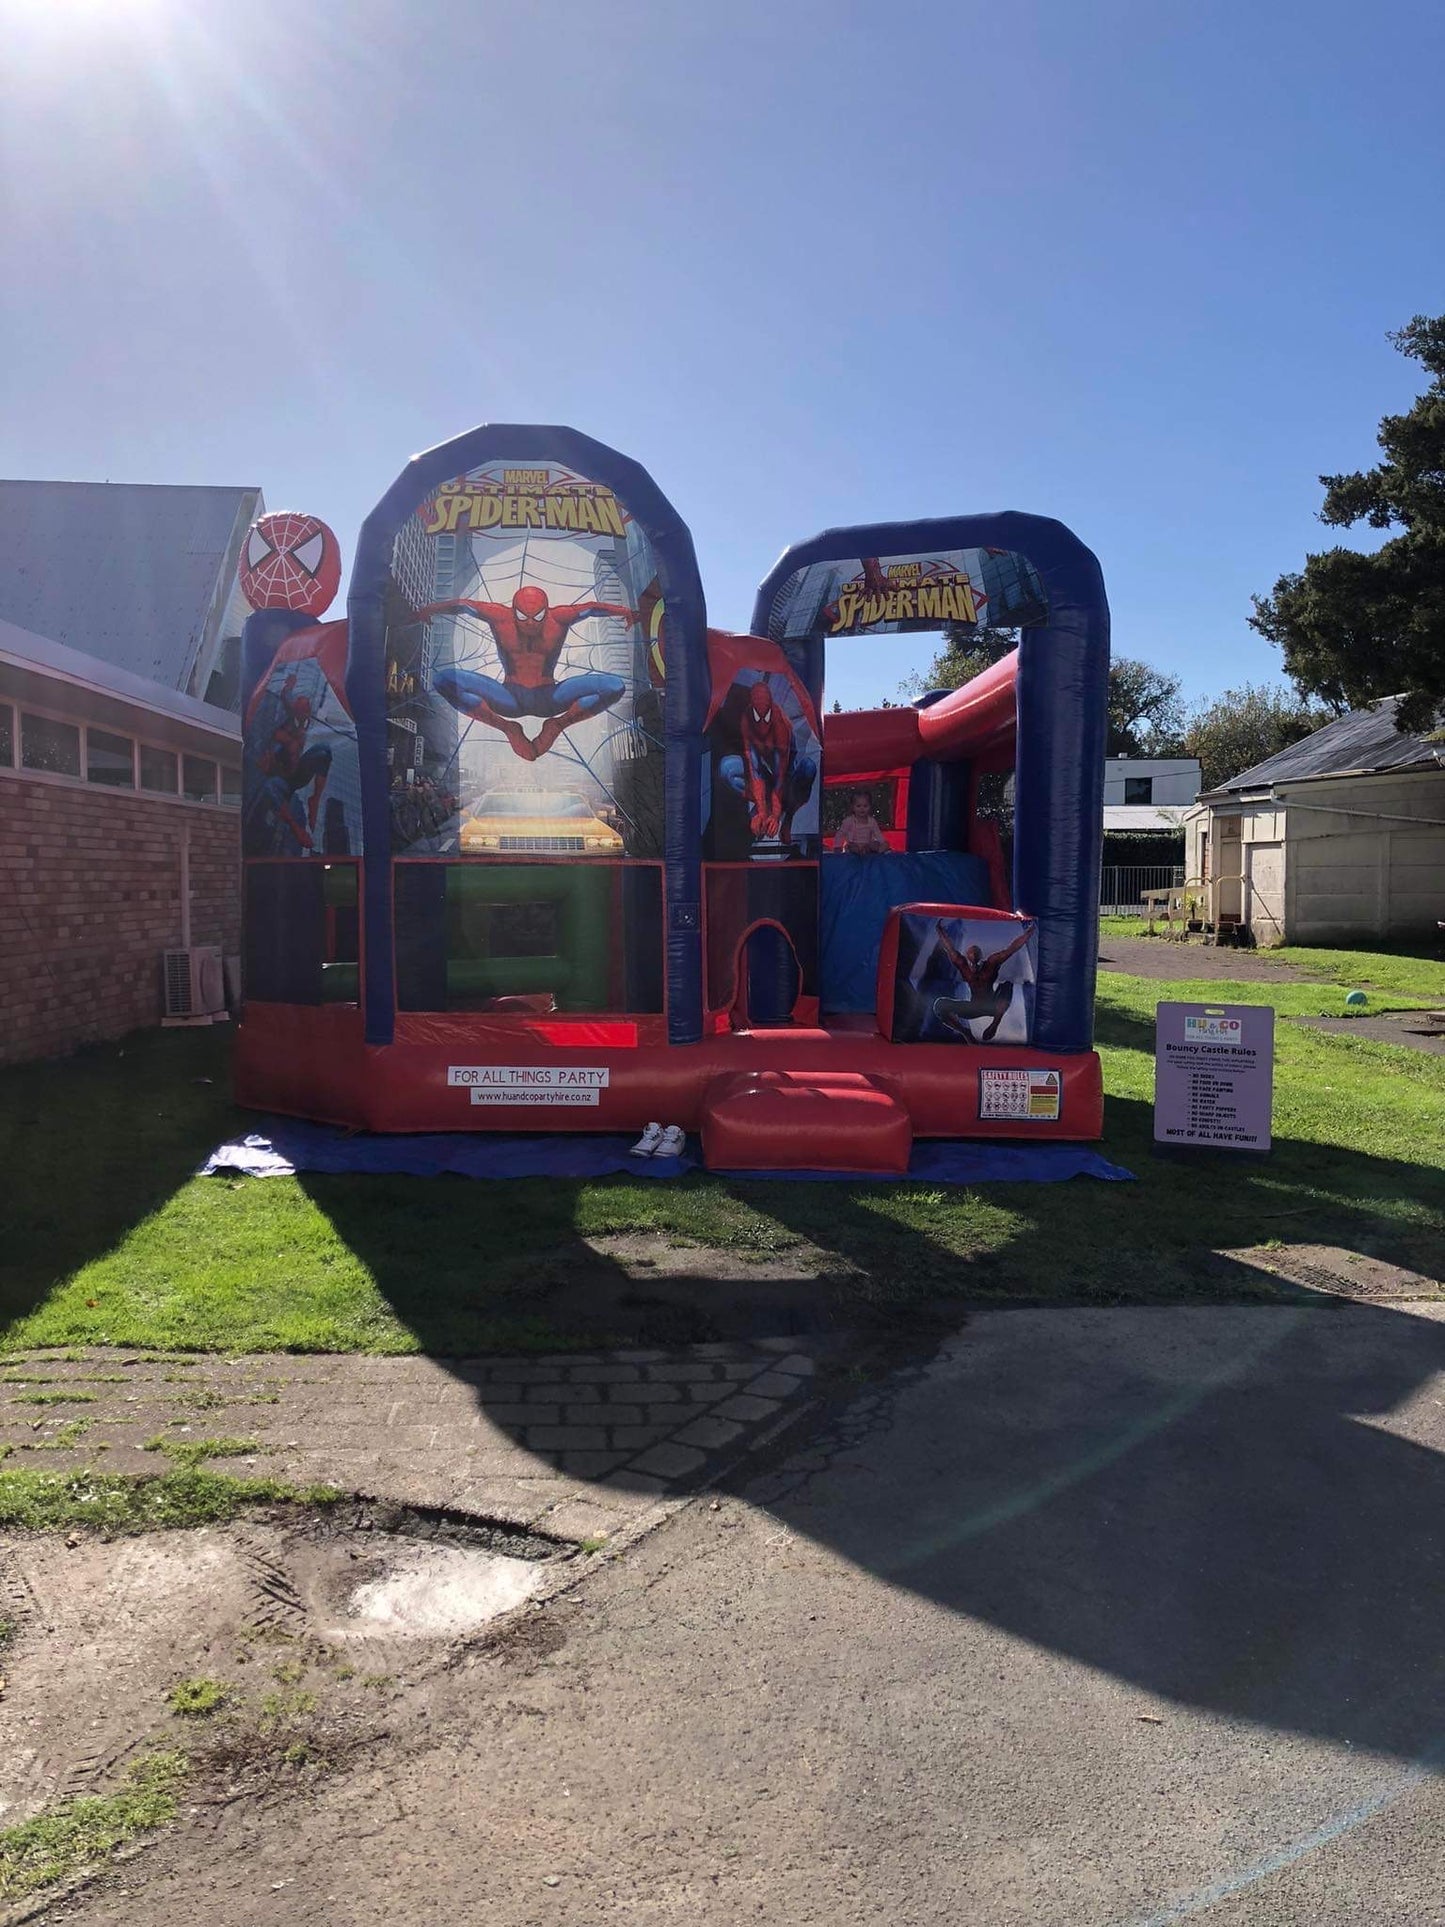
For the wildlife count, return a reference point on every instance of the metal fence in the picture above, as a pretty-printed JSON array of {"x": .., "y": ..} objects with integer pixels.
[{"x": 1122, "y": 885}]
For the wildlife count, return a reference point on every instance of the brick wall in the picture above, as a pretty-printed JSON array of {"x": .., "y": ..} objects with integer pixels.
[{"x": 90, "y": 897}]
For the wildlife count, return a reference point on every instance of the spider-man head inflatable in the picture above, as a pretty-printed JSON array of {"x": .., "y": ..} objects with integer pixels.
[{"x": 290, "y": 561}]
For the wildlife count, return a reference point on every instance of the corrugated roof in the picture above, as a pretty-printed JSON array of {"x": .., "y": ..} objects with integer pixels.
[
  {"x": 127, "y": 572},
  {"x": 1361, "y": 743}
]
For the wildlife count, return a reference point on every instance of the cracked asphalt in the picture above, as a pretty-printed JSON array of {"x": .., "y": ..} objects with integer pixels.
[{"x": 1102, "y": 1618}]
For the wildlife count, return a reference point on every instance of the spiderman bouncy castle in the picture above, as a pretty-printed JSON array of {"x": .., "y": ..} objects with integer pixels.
[{"x": 529, "y": 847}]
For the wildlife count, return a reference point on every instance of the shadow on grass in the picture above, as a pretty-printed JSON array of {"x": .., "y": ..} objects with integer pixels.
[
  {"x": 1210, "y": 1505},
  {"x": 1237, "y": 1509},
  {"x": 1159, "y": 1241},
  {"x": 90, "y": 1145}
]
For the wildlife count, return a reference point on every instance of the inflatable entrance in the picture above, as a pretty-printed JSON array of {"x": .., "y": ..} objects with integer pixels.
[{"x": 527, "y": 846}]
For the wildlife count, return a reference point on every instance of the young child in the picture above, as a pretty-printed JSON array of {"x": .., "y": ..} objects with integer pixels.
[{"x": 860, "y": 832}]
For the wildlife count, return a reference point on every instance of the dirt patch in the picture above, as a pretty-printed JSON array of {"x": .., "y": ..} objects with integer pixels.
[
  {"x": 1341, "y": 1273},
  {"x": 437, "y": 1592},
  {"x": 279, "y": 1631},
  {"x": 661, "y": 1292},
  {"x": 1172, "y": 962}
]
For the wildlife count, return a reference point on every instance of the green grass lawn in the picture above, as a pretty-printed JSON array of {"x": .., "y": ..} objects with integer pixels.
[
  {"x": 1409, "y": 973},
  {"x": 1403, "y": 971},
  {"x": 107, "y": 1237}
]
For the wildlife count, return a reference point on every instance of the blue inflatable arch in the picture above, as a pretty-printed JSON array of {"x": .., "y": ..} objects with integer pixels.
[{"x": 1063, "y": 691}]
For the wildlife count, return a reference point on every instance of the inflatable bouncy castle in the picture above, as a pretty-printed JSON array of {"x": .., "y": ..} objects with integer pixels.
[{"x": 529, "y": 847}]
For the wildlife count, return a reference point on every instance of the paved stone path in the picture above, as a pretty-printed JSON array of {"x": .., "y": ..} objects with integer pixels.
[{"x": 571, "y": 1445}]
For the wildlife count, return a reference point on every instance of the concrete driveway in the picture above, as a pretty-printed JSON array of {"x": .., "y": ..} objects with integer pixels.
[{"x": 1116, "y": 1617}]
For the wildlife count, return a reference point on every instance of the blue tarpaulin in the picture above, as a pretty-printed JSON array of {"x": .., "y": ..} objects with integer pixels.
[{"x": 279, "y": 1147}]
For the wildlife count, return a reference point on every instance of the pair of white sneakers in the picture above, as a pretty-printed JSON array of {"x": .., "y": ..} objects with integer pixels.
[{"x": 659, "y": 1142}]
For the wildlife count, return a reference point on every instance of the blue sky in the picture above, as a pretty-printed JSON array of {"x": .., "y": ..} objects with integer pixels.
[{"x": 1127, "y": 264}]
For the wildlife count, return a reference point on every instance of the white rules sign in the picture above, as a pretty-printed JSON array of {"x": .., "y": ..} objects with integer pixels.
[
  {"x": 1214, "y": 1076},
  {"x": 530, "y": 1083}
]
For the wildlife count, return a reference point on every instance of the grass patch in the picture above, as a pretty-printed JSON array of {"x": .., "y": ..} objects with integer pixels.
[
  {"x": 140, "y": 1253},
  {"x": 53, "y": 1398},
  {"x": 77, "y": 1834},
  {"x": 194, "y": 1452},
  {"x": 279, "y": 1710},
  {"x": 198, "y": 1698},
  {"x": 1402, "y": 972},
  {"x": 114, "y": 1503},
  {"x": 65, "y": 1437}
]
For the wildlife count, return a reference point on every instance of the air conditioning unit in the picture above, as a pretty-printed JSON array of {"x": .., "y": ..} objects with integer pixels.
[{"x": 195, "y": 986}]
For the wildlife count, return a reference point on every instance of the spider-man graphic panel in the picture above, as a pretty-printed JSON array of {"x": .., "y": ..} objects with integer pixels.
[
  {"x": 963, "y": 981},
  {"x": 519, "y": 682},
  {"x": 301, "y": 780},
  {"x": 529, "y": 634},
  {"x": 767, "y": 757}
]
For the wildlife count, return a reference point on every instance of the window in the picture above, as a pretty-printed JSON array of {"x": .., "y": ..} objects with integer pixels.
[
  {"x": 109, "y": 759},
  {"x": 1138, "y": 789},
  {"x": 231, "y": 787},
  {"x": 302, "y": 933},
  {"x": 158, "y": 770},
  {"x": 340, "y": 974},
  {"x": 838, "y": 800},
  {"x": 48, "y": 745},
  {"x": 198, "y": 779},
  {"x": 7, "y": 735}
]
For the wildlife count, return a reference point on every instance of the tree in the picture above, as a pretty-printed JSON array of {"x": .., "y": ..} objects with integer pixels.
[
  {"x": 1234, "y": 731},
  {"x": 1357, "y": 627},
  {"x": 1146, "y": 717},
  {"x": 968, "y": 649},
  {"x": 1145, "y": 714}
]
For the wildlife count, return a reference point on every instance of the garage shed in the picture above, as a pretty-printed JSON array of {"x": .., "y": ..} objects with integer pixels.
[{"x": 1338, "y": 839}]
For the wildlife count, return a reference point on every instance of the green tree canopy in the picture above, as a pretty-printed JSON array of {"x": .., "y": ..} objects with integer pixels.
[
  {"x": 1146, "y": 717},
  {"x": 1241, "y": 727},
  {"x": 1356, "y": 627}
]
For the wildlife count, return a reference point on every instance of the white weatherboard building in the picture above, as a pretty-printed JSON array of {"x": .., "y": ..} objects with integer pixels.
[
  {"x": 1134, "y": 781},
  {"x": 1338, "y": 839}
]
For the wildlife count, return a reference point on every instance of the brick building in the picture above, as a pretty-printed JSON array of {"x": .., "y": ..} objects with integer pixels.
[{"x": 119, "y": 840}]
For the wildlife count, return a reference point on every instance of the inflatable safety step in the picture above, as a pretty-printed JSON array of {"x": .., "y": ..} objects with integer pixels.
[{"x": 804, "y": 1121}]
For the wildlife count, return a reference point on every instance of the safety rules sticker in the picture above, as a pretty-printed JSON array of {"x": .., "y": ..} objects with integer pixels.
[
  {"x": 1024, "y": 1094},
  {"x": 530, "y": 1083}
]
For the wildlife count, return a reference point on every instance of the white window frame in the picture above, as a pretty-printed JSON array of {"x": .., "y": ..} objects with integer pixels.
[
  {"x": 66, "y": 722},
  {"x": 17, "y": 770},
  {"x": 133, "y": 788}
]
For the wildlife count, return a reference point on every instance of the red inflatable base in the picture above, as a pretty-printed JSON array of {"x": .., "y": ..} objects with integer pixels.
[
  {"x": 804, "y": 1121},
  {"x": 457, "y": 1073}
]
